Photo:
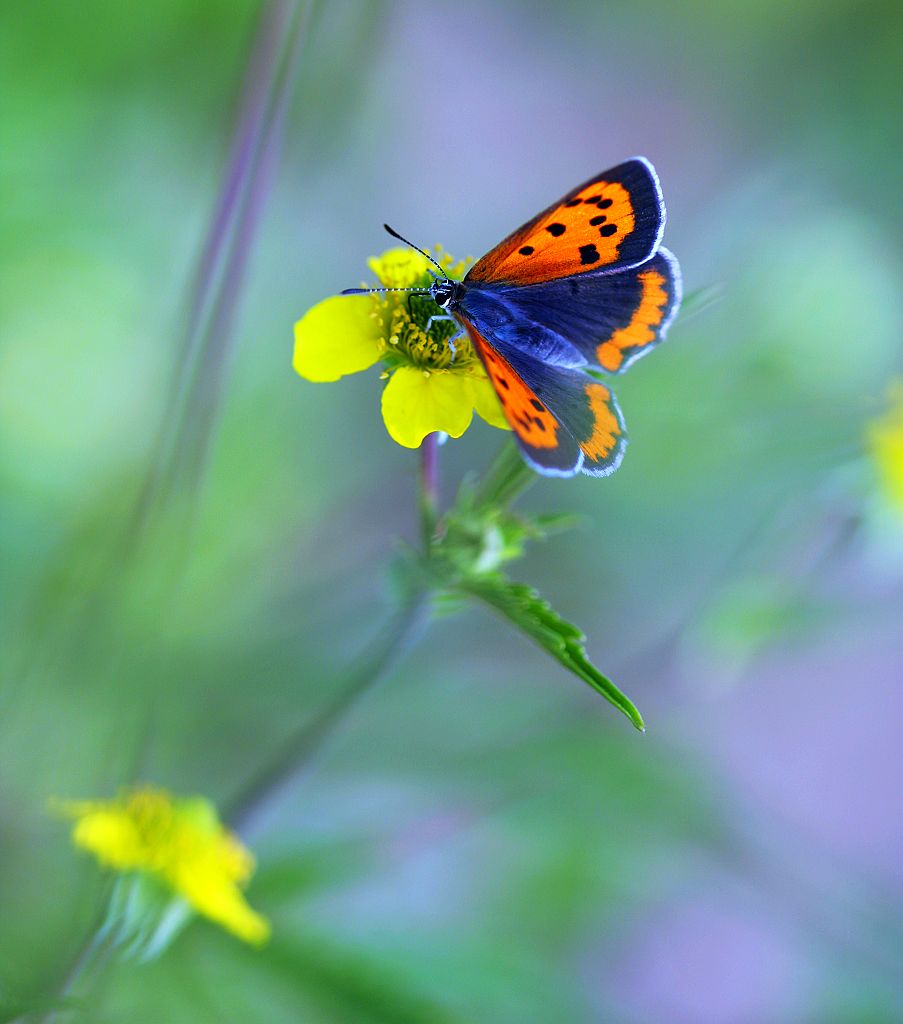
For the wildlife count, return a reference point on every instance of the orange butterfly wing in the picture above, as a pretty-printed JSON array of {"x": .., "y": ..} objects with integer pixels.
[
  {"x": 564, "y": 421},
  {"x": 659, "y": 296},
  {"x": 609, "y": 319},
  {"x": 545, "y": 444},
  {"x": 610, "y": 223}
]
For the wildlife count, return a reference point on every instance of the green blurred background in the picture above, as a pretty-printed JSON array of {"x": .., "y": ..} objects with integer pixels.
[{"x": 484, "y": 839}]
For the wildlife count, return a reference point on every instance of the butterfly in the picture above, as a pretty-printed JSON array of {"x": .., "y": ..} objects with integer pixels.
[{"x": 583, "y": 286}]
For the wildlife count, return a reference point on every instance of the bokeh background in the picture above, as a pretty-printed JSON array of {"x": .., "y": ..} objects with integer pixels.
[{"x": 193, "y": 541}]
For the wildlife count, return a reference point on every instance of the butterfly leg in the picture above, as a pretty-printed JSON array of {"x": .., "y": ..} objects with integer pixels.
[
  {"x": 451, "y": 341},
  {"x": 459, "y": 333},
  {"x": 435, "y": 319}
]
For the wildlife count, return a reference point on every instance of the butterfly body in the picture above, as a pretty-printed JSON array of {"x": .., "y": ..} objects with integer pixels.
[
  {"x": 583, "y": 286},
  {"x": 490, "y": 310}
]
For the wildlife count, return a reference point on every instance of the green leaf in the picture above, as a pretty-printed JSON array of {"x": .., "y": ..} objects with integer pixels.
[
  {"x": 550, "y": 523},
  {"x": 481, "y": 538},
  {"x": 525, "y": 609},
  {"x": 354, "y": 987},
  {"x": 700, "y": 300}
]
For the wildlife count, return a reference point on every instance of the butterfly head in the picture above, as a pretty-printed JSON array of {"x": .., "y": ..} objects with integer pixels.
[{"x": 444, "y": 292}]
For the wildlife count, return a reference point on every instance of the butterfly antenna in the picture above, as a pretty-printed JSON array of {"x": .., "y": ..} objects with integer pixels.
[
  {"x": 369, "y": 291},
  {"x": 401, "y": 238}
]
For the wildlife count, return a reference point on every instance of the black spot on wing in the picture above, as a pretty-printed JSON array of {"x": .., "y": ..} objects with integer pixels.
[
  {"x": 589, "y": 254},
  {"x": 526, "y": 250},
  {"x": 596, "y": 221},
  {"x": 607, "y": 229},
  {"x": 556, "y": 229}
]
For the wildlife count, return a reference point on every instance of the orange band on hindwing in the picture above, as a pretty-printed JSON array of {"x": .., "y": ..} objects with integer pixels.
[
  {"x": 607, "y": 430},
  {"x": 641, "y": 329}
]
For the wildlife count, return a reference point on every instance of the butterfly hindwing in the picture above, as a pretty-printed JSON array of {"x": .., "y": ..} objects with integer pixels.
[
  {"x": 565, "y": 422},
  {"x": 610, "y": 319},
  {"x": 639, "y": 319},
  {"x": 612, "y": 222},
  {"x": 545, "y": 444}
]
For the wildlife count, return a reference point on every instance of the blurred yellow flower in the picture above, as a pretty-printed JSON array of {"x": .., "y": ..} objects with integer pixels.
[
  {"x": 885, "y": 437},
  {"x": 181, "y": 843},
  {"x": 427, "y": 390}
]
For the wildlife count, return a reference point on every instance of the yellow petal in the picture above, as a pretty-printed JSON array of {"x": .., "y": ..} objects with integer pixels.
[
  {"x": 180, "y": 842},
  {"x": 201, "y": 882},
  {"x": 400, "y": 268},
  {"x": 112, "y": 837},
  {"x": 487, "y": 403},
  {"x": 336, "y": 337},
  {"x": 416, "y": 404}
]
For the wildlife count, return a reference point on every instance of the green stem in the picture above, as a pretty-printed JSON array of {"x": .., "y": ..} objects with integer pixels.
[
  {"x": 302, "y": 746},
  {"x": 506, "y": 479},
  {"x": 90, "y": 958}
]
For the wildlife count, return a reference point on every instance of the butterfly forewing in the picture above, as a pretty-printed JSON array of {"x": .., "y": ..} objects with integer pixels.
[
  {"x": 611, "y": 319},
  {"x": 610, "y": 223}
]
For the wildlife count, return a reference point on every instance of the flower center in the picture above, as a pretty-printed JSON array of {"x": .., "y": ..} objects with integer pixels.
[
  {"x": 429, "y": 348},
  {"x": 411, "y": 339}
]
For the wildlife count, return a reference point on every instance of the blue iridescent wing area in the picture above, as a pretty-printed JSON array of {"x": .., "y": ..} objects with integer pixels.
[
  {"x": 612, "y": 222},
  {"x": 564, "y": 421},
  {"x": 604, "y": 321}
]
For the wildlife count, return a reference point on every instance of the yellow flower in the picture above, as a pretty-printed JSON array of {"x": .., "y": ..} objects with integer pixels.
[
  {"x": 427, "y": 389},
  {"x": 885, "y": 436},
  {"x": 179, "y": 842}
]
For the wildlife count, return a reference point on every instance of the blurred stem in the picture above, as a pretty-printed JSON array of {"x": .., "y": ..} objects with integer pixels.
[
  {"x": 297, "y": 752},
  {"x": 391, "y": 643},
  {"x": 202, "y": 362},
  {"x": 429, "y": 489},
  {"x": 91, "y": 958}
]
